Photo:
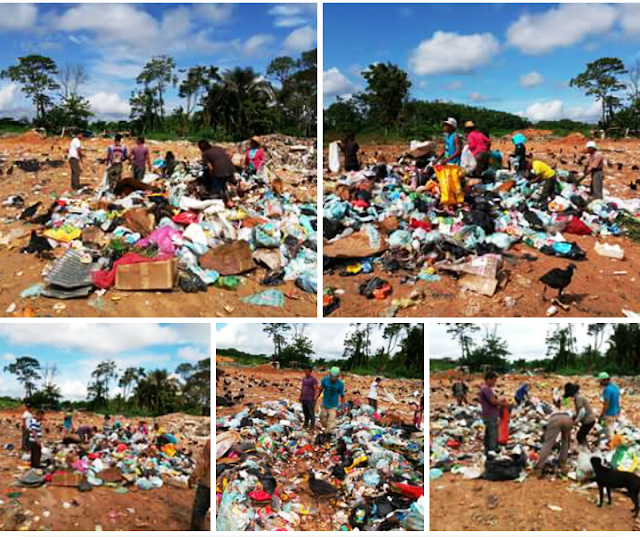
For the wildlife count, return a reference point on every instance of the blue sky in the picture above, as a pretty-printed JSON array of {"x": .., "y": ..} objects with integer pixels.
[
  {"x": 525, "y": 339},
  {"x": 513, "y": 57},
  {"x": 77, "y": 348},
  {"x": 114, "y": 41}
]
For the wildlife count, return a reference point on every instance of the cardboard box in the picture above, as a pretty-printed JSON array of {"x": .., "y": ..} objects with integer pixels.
[{"x": 159, "y": 275}]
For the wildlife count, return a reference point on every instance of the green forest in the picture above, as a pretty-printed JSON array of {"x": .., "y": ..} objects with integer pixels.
[
  {"x": 385, "y": 110},
  {"x": 613, "y": 347},
  {"x": 401, "y": 357},
  {"x": 230, "y": 105},
  {"x": 140, "y": 392}
]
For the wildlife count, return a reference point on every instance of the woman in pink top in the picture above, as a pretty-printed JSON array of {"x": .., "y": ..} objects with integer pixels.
[
  {"x": 480, "y": 146},
  {"x": 254, "y": 157}
]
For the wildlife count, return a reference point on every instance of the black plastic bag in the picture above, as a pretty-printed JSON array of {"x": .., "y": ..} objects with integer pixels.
[
  {"x": 190, "y": 283},
  {"x": 500, "y": 470}
]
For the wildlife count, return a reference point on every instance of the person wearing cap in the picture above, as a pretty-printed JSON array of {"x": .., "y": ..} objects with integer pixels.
[
  {"x": 480, "y": 146},
  {"x": 519, "y": 156},
  {"x": 332, "y": 391},
  {"x": 254, "y": 157},
  {"x": 452, "y": 143},
  {"x": 594, "y": 168},
  {"x": 610, "y": 403},
  {"x": 584, "y": 414}
]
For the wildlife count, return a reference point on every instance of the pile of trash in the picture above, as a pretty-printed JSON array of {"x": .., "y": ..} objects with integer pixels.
[
  {"x": 164, "y": 234},
  {"x": 271, "y": 474},
  {"x": 121, "y": 460},
  {"x": 385, "y": 218},
  {"x": 457, "y": 435}
]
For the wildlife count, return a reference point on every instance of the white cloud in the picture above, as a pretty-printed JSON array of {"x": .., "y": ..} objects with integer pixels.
[
  {"x": 531, "y": 80},
  {"x": 454, "y": 85},
  {"x": 8, "y": 97},
  {"x": 120, "y": 69},
  {"x": 556, "y": 110},
  {"x": 8, "y": 357},
  {"x": 561, "y": 26},
  {"x": 106, "y": 104},
  {"x": 257, "y": 45},
  {"x": 18, "y": 16},
  {"x": 334, "y": 83},
  {"x": 422, "y": 85},
  {"x": 477, "y": 97},
  {"x": 192, "y": 354},
  {"x": 448, "y": 52},
  {"x": 301, "y": 39},
  {"x": 74, "y": 390},
  {"x": 216, "y": 13},
  {"x": 292, "y": 15}
]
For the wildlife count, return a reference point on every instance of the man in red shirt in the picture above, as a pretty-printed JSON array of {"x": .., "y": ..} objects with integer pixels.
[{"x": 480, "y": 146}]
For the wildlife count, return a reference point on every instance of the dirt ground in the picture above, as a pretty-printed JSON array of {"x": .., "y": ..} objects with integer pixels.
[
  {"x": 263, "y": 383},
  {"x": 601, "y": 287},
  {"x": 67, "y": 509},
  {"x": 19, "y": 271},
  {"x": 512, "y": 506}
]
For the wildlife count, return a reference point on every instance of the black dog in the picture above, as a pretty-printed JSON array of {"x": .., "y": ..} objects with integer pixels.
[{"x": 609, "y": 479}]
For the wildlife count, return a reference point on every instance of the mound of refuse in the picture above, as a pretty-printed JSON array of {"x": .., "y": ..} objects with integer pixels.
[{"x": 272, "y": 474}]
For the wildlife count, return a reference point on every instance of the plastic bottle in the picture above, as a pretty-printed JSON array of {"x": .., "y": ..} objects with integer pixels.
[{"x": 230, "y": 283}]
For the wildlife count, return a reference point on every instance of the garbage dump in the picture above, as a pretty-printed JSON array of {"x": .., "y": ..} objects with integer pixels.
[
  {"x": 408, "y": 237},
  {"x": 104, "y": 479},
  {"x": 107, "y": 249},
  {"x": 512, "y": 495},
  {"x": 274, "y": 474}
]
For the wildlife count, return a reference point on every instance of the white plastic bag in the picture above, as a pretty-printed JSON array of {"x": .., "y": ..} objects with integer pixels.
[
  {"x": 467, "y": 161},
  {"x": 334, "y": 157}
]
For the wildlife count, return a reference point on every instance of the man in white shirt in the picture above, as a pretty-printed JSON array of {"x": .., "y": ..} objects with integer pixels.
[
  {"x": 26, "y": 419},
  {"x": 373, "y": 393},
  {"x": 75, "y": 159}
]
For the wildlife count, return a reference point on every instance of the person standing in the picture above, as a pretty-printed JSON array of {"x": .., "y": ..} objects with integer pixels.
[
  {"x": 350, "y": 148},
  {"x": 219, "y": 170},
  {"x": 201, "y": 478},
  {"x": 76, "y": 158},
  {"x": 459, "y": 390},
  {"x": 373, "y": 393},
  {"x": 254, "y": 157},
  {"x": 594, "y": 168},
  {"x": 490, "y": 412},
  {"x": 519, "y": 157},
  {"x": 334, "y": 391},
  {"x": 67, "y": 424},
  {"x": 308, "y": 395},
  {"x": 27, "y": 415},
  {"x": 35, "y": 439},
  {"x": 584, "y": 414},
  {"x": 141, "y": 162},
  {"x": 610, "y": 403},
  {"x": 480, "y": 146},
  {"x": 116, "y": 156},
  {"x": 452, "y": 143}
]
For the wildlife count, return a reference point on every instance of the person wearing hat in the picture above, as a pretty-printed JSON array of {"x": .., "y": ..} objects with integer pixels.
[
  {"x": 594, "y": 167},
  {"x": 584, "y": 414},
  {"x": 480, "y": 146},
  {"x": 254, "y": 157},
  {"x": 519, "y": 156},
  {"x": 610, "y": 403},
  {"x": 452, "y": 143},
  {"x": 332, "y": 391}
]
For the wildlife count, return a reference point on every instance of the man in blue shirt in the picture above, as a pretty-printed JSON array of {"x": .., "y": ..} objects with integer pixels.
[
  {"x": 610, "y": 403},
  {"x": 331, "y": 390}
]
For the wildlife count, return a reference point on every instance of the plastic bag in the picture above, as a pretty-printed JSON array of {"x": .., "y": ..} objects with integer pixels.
[
  {"x": 334, "y": 157},
  {"x": 499, "y": 470},
  {"x": 467, "y": 161},
  {"x": 268, "y": 297},
  {"x": 503, "y": 427},
  {"x": 415, "y": 518},
  {"x": 448, "y": 177}
]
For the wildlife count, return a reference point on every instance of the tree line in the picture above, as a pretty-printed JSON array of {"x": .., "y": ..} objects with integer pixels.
[
  {"x": 149, "y": 393},
  {"x": 401, "y": 356},
  {"x": 481, "y": 348},
  {"x": 219, "y": 104}
]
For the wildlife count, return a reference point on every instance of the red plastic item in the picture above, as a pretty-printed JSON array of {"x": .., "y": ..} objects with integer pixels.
[
  {"x": 577, "y": 226},
  {"x": 303, "y": 450},
  {"x": 259, "y": 496},
  {"x": 186, "y": 218},
  {"x": 417, "y": 224},
  {"x": 503, "y": 427},
  {"x": 382, "y": 292},
  {"x": 414, "y": 492}
]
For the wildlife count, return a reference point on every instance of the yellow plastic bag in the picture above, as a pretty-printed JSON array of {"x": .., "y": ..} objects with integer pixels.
[{"x": 448, "y": 177}]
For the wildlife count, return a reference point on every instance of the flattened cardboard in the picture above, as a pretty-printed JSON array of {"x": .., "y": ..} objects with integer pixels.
[{"x": 151, "y": 276}]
